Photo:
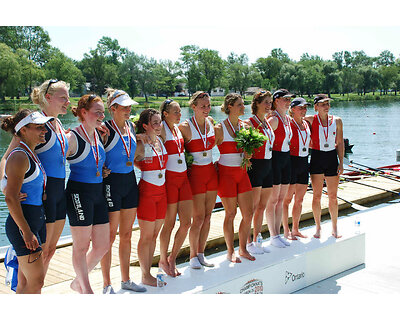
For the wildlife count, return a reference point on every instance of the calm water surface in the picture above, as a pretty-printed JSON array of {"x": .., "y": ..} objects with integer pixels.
[{"x": 373, "y": 128}]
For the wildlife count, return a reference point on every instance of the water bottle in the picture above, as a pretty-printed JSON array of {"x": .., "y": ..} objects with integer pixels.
[
  {"x": 148, "y": 153},
  {"x": 259, "y": 240},
  {"x": 357, "y": 226},
  {"x": 160, "y": 278}
]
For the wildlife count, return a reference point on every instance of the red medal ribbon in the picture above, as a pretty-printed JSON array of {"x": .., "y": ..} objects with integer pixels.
[{"x": 128, "y": 152}]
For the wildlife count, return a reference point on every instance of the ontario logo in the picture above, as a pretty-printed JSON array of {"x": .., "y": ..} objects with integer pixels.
[
  {"x": 253, "y": 286},
  {"x": 290, "y": 276}
]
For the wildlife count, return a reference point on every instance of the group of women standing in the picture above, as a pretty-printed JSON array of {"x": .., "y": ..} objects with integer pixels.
[{"x": 102, "y": 196}]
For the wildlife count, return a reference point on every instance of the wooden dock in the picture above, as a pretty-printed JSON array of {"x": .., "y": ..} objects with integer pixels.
[{"x": 61, "y": 271}]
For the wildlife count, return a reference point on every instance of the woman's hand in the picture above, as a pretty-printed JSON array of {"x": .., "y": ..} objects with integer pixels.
[
  {"x": 340, "y": 168},
  {"x": 246, "y": 155},
  {"x": 105, "y": 172},
  {"x": 31, "y": 242}
]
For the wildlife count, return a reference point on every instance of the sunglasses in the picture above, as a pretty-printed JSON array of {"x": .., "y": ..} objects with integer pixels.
[
  {"x": 202, "y": 95},
  {"x": 29, "y": 257},
  {"x": 90, "y": 99},
  {"x": 167, "y": 102},
  {"x": 50, "y": 83}
]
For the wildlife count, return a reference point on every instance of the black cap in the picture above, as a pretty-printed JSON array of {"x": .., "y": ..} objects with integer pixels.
[
  {"x": 321, "y": 98},
  {"x": 299, "y": 102},
  {"x": 282, "y": 93}
]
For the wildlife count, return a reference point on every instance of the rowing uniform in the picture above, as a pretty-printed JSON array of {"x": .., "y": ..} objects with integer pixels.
[
  {"x": 202, "y": 174},
  {"x": 232, "y": 178},
  {"x": 86, "y": 204},
  {"x": 152, "y": 193},
  {"x": 120, "y": 187},
  {"x": 299, "y": 146},
  {"x": 323, "y": 147},
  {"x": 52, "y": 155},
  {"x": 260, "y": 173},
  {"x": 281, "y": 151},
  {"x": 33, "y": 185},
  {"x": 176, "y": 179}
]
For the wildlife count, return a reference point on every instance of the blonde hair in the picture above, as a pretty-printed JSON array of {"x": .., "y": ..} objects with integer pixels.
[
  {"x": 38, "y": 94},
  {"x": 230, "y": 100},
  {"x": 197, "y": 95}
]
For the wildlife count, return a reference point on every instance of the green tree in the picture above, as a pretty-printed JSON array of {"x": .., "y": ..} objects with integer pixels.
[
  {"x": 238, "y": 72},
  {"x": 386, "y": 58},
  {"x": 211, "y": 67},
  {"x": 9, "y": 70}
]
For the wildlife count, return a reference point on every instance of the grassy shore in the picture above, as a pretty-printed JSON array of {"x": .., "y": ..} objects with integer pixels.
[{"x": 12, "y": 105}]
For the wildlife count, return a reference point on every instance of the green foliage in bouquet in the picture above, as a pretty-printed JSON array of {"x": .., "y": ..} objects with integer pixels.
[
  {"x": 248, "y": 140},
  {"x": 189, "y": 159}
]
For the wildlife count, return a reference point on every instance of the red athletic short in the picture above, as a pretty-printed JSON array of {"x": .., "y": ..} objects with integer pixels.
[
  {"x": 152, "y": 201},
  {"x": 203, "y": 178},
  {"x": 178, "y": 186},
  {"x": 232, "y": 181}
]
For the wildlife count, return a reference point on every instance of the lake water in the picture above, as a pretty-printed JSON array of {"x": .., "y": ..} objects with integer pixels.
[{"x": 373, "y": 128}]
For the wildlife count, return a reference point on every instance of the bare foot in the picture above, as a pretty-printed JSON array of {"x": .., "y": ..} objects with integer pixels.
[
  {"x": 75, "y": 286},
  {"x": 336, "y": 235},
  {"x": 166, "y": 267},
  {"x": 149, "y": 280},
  {"x": 317, "y": 234},
  {"x": 173, "y": 269},
  {"x": 287, "y": 235},
  {"x": 246, "y": 255},
  {"x": 232, "y": 258},
  {"x": 297, "y": 234}
]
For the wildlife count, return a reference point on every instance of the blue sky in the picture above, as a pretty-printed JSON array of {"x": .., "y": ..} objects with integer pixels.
[{"x": 255, "y": 27}]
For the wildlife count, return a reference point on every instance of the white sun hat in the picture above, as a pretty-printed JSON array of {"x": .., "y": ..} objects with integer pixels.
[{"x": 34, "y": 117}]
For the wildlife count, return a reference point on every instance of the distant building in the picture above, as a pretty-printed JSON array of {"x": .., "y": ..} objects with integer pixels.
[{"x": 217, "y": 92}]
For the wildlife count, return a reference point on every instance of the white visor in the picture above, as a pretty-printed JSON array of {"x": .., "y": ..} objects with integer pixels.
[
  {"x": 124, "y": 100},
  {"x": 34, "y": 117}
]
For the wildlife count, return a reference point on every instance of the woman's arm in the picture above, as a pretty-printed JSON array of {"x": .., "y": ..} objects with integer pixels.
[
  {"x": 13, "y": 144},
  {"x": 17, "y": 165},
  {"x": 273, "y": 122},
  {"x": 339, "y": 143}
]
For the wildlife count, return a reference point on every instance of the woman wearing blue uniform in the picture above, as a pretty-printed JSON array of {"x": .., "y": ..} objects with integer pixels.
[
  {"x": 53, "y": 99},
  {"x": 86, "y": 205},
  {"x": 25, "y": 226},
  {"x": 120, "y": 187}
]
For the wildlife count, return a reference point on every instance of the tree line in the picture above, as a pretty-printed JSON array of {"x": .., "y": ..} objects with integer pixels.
[{"x": 27, "y": 58}]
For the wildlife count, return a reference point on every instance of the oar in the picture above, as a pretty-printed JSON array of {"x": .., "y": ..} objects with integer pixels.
[
  {"x": 367, "y": 185},
  {"x": 353, "y": 205},
  {"x": 373, "y": 169},
  {"x": 373, "y": 173}
]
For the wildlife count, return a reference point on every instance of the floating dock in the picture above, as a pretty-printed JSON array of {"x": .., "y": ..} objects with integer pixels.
[{"x": 61, "y": 271}]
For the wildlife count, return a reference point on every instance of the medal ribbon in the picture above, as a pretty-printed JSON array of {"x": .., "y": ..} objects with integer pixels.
[
  {"x": 299, "y": 131},
  {"x": 288, "y": 133},
  {"x": 162, "y": 155},
  {"x": 95, "y": 154},
  {"x": 176, "y": 139},
  {"x": 263, "y": 127},
  {"x": 230, "y": 124},
  {"x": 327, "y": 127},
  {"x": 128, "y": 151},
  {"x": 62, "y": 140},
  {"x": 203, "y": 138},
  {"x": 33, "y": 156}
]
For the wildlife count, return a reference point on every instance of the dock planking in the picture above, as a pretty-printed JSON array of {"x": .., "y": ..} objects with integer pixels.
[{"x": 61, "y": 271}]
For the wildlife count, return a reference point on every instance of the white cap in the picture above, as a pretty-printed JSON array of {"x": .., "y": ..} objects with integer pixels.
[
  {"x": 123, "y": 100},
  {"x": 34, "y": 117}
]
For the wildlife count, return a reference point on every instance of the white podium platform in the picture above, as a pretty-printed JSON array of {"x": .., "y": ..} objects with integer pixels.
[{"x": 285, "y": 270}]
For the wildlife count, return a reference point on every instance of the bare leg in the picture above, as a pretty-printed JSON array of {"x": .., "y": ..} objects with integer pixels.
[
  {"x": 230, "y": 213},
  {"x": 279, "y": 207},
  {"x": 301, "y": 190},
  {"x": 317, "y": 181},
  {"x": 285, "y": 211},
  {"x": 185, "y": 217},
  {"x": 256, "y": 217},
  {"x": 332, "y": 184},
  {"x": 270, "y": 210},
  {"x": 245, "y": 201},
  {"x": 165, "y": 237},
  {"x": 53, "y": 233},
  {"x": 32, "y": 274},
  {"x": 106, "y": 260},
  {"x": 211, "y": 196},
  {"x": 127, "y": 218},
  {"x": 199, "y": 208}
]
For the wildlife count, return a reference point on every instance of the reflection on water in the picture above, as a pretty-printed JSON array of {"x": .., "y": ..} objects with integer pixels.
[{"x": 373, "y": 128}]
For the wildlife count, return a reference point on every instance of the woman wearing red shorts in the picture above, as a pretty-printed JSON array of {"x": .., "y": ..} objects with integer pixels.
[
  {"x": 199, "y": 137},
  {"x": 179, "y": 194},
  {"x": 234, "y": 185},
  {"x": 151, "y": 159}
]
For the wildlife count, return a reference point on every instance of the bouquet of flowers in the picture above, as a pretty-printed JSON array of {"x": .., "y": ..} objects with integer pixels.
[
  {"x": 189, "y": 159},
  {"x": 248, "y": 140}
]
